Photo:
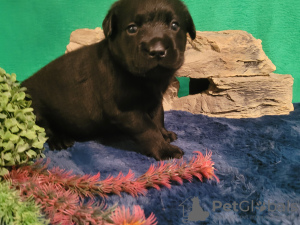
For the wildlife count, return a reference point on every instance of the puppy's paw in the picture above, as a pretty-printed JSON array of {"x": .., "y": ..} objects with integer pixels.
[
  {"x": 169, "y": 136},
  {"x": 58, "y": 143},
  {"x": 169, "y": 152}
]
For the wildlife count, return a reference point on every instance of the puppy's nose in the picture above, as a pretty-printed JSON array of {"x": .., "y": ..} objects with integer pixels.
[{"x": 157, "y": 50}]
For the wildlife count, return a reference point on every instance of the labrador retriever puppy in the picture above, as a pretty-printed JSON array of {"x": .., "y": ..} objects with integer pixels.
[{"x": 116, "y": 85}]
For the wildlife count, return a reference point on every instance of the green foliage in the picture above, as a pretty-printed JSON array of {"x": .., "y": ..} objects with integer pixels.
[
  {"x": 14, "y": 211},
  {"x": 21, "y": 140}
]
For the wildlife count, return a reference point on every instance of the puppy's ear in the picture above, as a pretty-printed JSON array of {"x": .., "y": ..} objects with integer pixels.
[
  {"x": 191, "y": 29},
  {"x": 109, "y": 24}
]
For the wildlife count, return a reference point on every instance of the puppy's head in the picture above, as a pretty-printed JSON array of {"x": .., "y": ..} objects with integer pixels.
[{"x": 147, "y": 35}]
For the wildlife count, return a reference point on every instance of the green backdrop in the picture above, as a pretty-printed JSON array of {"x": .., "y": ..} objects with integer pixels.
[{"x": 34, "y": 32}]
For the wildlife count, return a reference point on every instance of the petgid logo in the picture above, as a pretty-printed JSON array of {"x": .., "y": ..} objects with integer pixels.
[
  {"x": 193, "y": 211},
  {"x": 251, "y": 206}
]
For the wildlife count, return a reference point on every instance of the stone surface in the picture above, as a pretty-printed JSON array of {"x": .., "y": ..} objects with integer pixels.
[
  {"x": 223, "y": 54},
  {"x": 171, "y": 95},
  {"x": 241, "y": 97},
  {"x": 82, "y": 37},
  {"x": 238, "y": 74}
]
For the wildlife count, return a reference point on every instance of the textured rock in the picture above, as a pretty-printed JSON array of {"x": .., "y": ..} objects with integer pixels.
[
  {"x": 238, "y": 75},
  {"x": 231, "y": 76},
  {"x": 223, "y": 54},
  {"x": 82, "y": 37},
  {"x": 171, "y": 95},
  {"x": 238, "y": 97}
]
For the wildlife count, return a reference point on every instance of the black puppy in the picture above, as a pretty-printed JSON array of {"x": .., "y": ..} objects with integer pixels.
[{"x": 116, "y": 85}]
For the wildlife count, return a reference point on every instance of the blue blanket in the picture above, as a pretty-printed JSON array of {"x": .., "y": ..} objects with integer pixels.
[{"x": 257, "y": 161}]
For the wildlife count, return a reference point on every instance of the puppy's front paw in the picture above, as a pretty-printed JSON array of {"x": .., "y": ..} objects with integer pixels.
[
  {"x": 169, "y": 136},
  {"x": 169, "y": 152},
  {"x": 58, "y": 143}
]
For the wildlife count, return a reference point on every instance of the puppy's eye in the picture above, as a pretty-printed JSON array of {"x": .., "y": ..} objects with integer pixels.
[
  {"x": 132, "y": 29},
  {"x": 174, "y": 26}
]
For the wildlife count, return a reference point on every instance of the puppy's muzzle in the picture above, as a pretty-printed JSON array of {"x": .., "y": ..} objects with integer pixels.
[{"x": 155, "y": 49}]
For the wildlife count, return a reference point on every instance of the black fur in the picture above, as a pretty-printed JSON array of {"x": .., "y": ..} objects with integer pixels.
[{"x": 116, "y": 85}]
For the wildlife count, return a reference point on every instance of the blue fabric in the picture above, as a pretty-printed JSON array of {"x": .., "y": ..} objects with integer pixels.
[{"x": 257, "y": 161}]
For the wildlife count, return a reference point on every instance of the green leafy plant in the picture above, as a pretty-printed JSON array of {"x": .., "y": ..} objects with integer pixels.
[
  {"x": 21, "y": 140},
  {"x": 13, "y": 210}
]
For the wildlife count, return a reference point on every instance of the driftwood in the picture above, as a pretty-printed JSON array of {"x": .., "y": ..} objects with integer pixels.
[{"x": 230, "y": 76}]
